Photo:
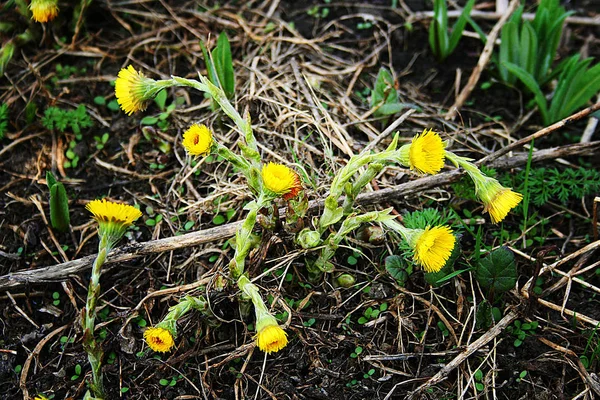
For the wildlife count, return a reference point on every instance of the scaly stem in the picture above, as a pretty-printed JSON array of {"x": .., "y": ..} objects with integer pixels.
[
  {"x": 243, "y": 237},
  {"x": 89, "y": 319}
]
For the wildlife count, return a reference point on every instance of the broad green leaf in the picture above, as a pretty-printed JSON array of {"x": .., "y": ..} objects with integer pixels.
[
  {"x": 224, "y": 65},
  {"x": 398, "y": 268},
  {"x": 459, "y": 27},
  {"x": 497, "y": 271},
  {"x": 59, "y": 207}
]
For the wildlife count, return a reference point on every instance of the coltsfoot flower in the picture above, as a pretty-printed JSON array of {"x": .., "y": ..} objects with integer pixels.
[
  {"x": 433, "y": 247},
  {"x": 425, "y": 154},
  {"x": 159, "y": 339},
  {"x": 281, "y": 180},
  {"x": 44, "y": 10},
  {"x": 113, "y": 218},
  {"x": 198, "y": 140},
  {"x": 497, "y": 199},
  {"x": 133, "y": 90},
  {"x": 271, "y": 339}
]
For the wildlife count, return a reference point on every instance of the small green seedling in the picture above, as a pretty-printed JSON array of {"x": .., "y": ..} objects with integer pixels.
[
  {"x": 77, "y": 373},
  {"x": 357, "y": 352},
  {"x": 479, "y": 381},
  {"x": 522, "y": 330}
]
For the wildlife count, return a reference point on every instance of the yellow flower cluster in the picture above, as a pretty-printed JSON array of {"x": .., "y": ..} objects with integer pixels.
[
  {"x": 159, "y": 339},
  {"x": 497, "y": 199},
  {"x": 131, "y": 88},
  {"x": 113, "y": 218},
  {"x": 271, "y": 339},
  {"x": 281, "y": 180},
  {"x": 427, "y": 152},
  {"x": 44, "y": 10},
  {"x": 433, "y": 248},
  {"x": 198, "y": 140}
]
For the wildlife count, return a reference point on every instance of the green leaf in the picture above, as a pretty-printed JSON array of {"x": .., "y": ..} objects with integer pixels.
[
  {"x": 483, "y": 316},
  {"x": 459, "y": 27},
  {"x": 396, "y": 266},
  {"x": 59, "y": 204},
  {"x": 530, "y": 82},
  {"x": 99, "y": 100},
  {"x": 149, "y": 120},
  {"x": 161, "y": 99},
  {"x": 497, "y": 271},
  {"x": 224, "y": 65},
  {"x": 384, "y": 89}
]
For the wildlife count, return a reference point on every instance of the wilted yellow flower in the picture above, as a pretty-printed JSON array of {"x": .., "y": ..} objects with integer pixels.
[
  {"x": 426, "y": 153},
  {"x": 113, "y": 218},
  {"x": 133, "y": 90},
  {"x": 271, "y": 339},
  {"x": 44, "y": 10},
  {"x": 159, "y": 339},
  {"x": 497, "y": 199},
  {"x": 433, "y": 247},
  {"x": 198, "y": 140},
  {"x": 281, "y": 180}
]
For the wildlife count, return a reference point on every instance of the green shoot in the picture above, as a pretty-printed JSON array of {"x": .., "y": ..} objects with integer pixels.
[{"x": 440, "y": 42}]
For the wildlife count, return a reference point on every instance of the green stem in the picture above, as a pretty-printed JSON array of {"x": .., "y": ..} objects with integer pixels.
[
  {"x": 89, "y": 319},
  {"x": 243, "y": 237}
]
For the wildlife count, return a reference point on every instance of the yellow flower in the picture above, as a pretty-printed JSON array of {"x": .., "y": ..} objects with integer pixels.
[
  {"x": 281, "y": 180},
  {"x": 113, "y": 218},
  {"x": 497, "y": 199},
  {"x": 159, "y": 339},
  {"x": 40, "y": 397},
  {"x": 198, "y": 140},
  {"x": 271, "y": 339},
  {"x": 433, "y": 247},
  {"x": 44, "y": 10},
  {"x": 133, "y": 90},
  {"x": 425, "y": 154}
]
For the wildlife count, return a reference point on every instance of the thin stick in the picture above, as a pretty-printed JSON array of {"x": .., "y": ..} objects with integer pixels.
[
  {"x": 483, "y": 61},
  {"x": 541, "y": 133}
]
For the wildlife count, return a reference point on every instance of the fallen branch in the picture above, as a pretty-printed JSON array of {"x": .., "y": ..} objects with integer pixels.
[{"x": 67, "y": 269}]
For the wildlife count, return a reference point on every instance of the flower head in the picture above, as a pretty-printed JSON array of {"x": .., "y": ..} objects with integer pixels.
[
  {"x": 271, "y": 339},
  {"x": 44, "y": 10},
  {"x": 497, "y": 199},
  {"x": 40, "y": 396},
  {"x": 159, "y": 339},
  {"x": 198, "y": 140},
  {"x": 133, "y": 90},
  {"x": 425, "y": 153},
  {"x": 433, "y": 247},
  {"x": 281, "y": 180},
  {"x": 113, "y": 218}
]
